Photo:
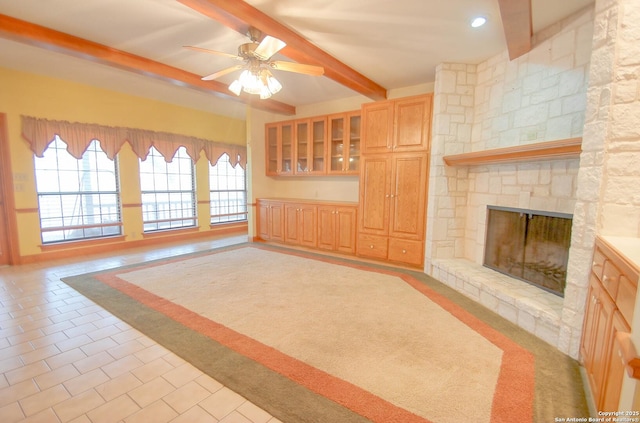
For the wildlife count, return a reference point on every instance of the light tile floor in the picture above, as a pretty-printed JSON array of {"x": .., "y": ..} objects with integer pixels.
[{"x": 65, "y": 359}]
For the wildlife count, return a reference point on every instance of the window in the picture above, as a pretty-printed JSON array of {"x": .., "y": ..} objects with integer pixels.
[
  {"x": 77, "y": 199},
  {"x": 228, "y": 192},
  {"x": 168, "y": 191}
]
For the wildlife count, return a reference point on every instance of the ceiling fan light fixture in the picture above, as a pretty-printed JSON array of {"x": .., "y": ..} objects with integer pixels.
[{"x": 235, "y": 87}]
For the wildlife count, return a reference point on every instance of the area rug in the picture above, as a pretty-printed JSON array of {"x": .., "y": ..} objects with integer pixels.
[{"x": 311, "y": 338}]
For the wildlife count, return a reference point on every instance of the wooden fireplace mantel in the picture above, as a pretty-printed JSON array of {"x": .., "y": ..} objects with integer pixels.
[{"x": 549, "y": 150}]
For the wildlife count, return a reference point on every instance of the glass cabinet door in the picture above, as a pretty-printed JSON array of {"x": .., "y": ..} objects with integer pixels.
[
  {"x": 286, "y": 152},
  {"x": 318, "y": 145},
  {"x": 272, "y": 149},
  {"x": 302, "y": 147},
  {"x": 336, "y": 144},
  {"x": 354, "y": 144}
]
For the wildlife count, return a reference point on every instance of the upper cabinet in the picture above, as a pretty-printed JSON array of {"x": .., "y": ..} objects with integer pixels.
[
  {"x": 279, "y": 148},
  {"x": 320, "y": 145},
  {"x": 310, "y": 146},
  {"x": 401, "y": 125},
  {"x": 344, "y": 143}
]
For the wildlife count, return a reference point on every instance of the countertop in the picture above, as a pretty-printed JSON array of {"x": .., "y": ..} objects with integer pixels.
[{"x": 627, "y": 246}]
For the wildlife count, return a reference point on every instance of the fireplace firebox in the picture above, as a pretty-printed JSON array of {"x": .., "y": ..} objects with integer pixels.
[{"x": 529, "y": 245}]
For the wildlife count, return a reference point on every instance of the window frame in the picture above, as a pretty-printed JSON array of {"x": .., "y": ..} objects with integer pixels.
[
  {"x": 83, "y": 199},
  {"x": 174, "y": 222}
]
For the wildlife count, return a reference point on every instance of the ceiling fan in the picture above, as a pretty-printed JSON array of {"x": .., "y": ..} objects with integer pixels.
[{"x": 256, "y": 76}]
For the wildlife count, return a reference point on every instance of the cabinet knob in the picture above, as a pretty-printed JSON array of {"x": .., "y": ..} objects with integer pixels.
[
  {"x": 593, "y": 264},
  {"x": 404, "y": 251},
  {"x": 371, "y": 246},
  {"x": 605, "y": 278}
]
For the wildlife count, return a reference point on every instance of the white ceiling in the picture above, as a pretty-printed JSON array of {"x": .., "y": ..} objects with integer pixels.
[{"x": 394, "y": 43}]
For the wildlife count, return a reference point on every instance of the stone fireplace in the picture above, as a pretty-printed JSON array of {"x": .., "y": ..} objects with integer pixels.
[{"x": 529, "y": 245}]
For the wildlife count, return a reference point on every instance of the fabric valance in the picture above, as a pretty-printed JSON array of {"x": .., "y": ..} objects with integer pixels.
[{"x": 39, "y": 133}]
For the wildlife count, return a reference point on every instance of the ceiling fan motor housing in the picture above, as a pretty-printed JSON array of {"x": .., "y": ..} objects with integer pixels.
[{"x": 247, "y": 50}]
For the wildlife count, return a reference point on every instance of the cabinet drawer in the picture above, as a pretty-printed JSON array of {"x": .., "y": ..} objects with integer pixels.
[
  {"x": 372, "y": 246},
  {"x": 626, "y": 297},
  {"x": 598, "y": 262},
  {"x": 610, "y": 278},
  {"x": 405, "y": 251}
]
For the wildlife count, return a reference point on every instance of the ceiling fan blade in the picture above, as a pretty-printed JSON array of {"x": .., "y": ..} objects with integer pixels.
[
  {"x": 298, "y": 68},
  {"x": 221, "y": 73},
  {"x": 268, "y": 47},
  {"x": 219, "y": 53}
]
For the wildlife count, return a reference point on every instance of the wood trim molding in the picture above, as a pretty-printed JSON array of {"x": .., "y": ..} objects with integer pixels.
[
  {"x": 49, "y": 39},
  {"x": 517, "y": 24},
  {"x": 239, "y": 16},
  {"x": 131, "y": 205},
  {"x": 549, "y": 150},
  {"x": 7, "y": 201},
  {"x": 629, "y": 354},
  {"x": 27, "y": 210}
]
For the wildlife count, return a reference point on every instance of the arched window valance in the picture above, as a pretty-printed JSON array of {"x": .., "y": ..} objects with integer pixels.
[{"x": 39, "y": 133}]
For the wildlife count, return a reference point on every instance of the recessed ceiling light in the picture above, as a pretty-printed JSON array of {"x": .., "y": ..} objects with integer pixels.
[{"x": 479, "y": 21}]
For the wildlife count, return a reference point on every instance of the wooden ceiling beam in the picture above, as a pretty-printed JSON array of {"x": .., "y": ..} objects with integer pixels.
[
  {"x": 239, "y": 15},
  {"x": 49, "y": 39},
  {"x": 517, "y": 24}
]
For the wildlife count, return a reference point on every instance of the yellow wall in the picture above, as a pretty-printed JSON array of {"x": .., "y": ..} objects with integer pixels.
[{"x": 56, "y": 99}]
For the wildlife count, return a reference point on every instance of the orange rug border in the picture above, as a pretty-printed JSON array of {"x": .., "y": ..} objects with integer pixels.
[{"x": 515, "y": 388}]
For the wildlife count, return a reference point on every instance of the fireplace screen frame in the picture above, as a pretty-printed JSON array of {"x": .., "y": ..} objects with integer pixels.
[{"x": 516, "y": 250}]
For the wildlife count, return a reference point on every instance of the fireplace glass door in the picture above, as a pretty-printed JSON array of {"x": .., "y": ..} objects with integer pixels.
[{"x": 529, "y": 245}]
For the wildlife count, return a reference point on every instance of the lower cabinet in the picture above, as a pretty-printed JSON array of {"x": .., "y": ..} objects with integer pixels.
[
  {"x": 324, "y": 225},
  {"x": 301, "y": 224},
  {"x": 337, "y": 228},
  {"x": 608, "y": 311},
  {"x": 271, "y": 221}
]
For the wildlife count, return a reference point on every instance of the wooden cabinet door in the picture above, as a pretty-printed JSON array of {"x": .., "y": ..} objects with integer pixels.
[
  {"x": 276, "y": 222},
  {"x": 377, "y": 127},
  {"x": 272, "y": 151},
  {"x": 286, "y": 143},
  {"x": 291, "y": 224},
  {"x": 602, "y": 332},
  {"x": 318, "y": 150},
  {"x": 353, "y": 147},
  {"x": 615, "y": 367},
  {"x": 279, "y": 148},
  {"x": 345, "y": 229},
  {"x": 587, "y": 344},
  {"x": 375, "y": 193},
  {"x": 326, "y": 227},
  {"x": 408, "y": 195},
  {"x": 412, "y": 123},
  {"x": 303, "y": 161},
  {"x": 308, "y": 225},
  {"x": 263, "y": 220}
]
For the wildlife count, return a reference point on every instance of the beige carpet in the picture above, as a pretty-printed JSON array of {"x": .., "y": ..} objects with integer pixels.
[{"x": 373, "y": 341}]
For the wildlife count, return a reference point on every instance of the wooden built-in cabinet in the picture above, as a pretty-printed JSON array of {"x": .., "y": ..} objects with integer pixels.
[
  {"x": 271, "y": 220},
  {"x": 393, "y": 180},
  {"x": 313, "y": 224},
  {"x": 400, "y": 125},
  {"x": 279, "y": 148},
  {"x": 320, "y": 145},
  {"x": 344, "y": 143},
  {"x": 609, "y": 310},
  {"x": 337, "y": 228},
  {"x": 301, "y": 224}
]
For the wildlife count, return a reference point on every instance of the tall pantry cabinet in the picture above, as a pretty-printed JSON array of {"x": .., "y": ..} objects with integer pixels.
[{"x": 393, "y": 179}]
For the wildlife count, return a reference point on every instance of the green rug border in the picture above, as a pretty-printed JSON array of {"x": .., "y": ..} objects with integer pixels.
[{"x": 559, "y": 388}]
